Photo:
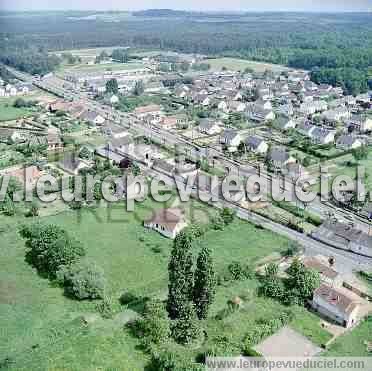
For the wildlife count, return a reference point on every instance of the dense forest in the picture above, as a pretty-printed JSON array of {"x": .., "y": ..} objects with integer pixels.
[{"x": 336, "y": 47}]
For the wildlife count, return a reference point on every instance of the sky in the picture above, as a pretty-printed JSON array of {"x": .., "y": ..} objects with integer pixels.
[{"x": 216, "y": 5}]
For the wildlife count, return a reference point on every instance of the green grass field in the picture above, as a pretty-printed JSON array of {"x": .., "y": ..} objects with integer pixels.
[
  {"x": 89, "y": 68},
  {"x": 352, "y": 343},
  {"x": 40, "y": 327},
  {"x": 236, "y": 64},
  {"x": 8, "y": 112}
]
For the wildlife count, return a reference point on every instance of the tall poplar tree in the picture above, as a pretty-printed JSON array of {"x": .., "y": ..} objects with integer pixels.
[
  {"x": 180, "y": 270},
  {"x": 204, "y": 284}
]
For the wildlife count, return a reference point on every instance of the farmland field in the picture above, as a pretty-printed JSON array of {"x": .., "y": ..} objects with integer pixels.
[{"x": 236, "y": 64}]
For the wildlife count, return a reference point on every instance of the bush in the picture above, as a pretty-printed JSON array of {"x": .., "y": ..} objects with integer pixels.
[
  {"x": 83, "y": 281},
  {"x": 217, "y": 223},
  {"x": 154, "y": 326},
  {"x": 163, "y": 358},
  {"x": 196, "y": 230},
  {"x": 127, "y": 298},
  {"x": 227, "y": 215},
  {"x": 292, "y": 250},
  {"x": 222, "y": 346},
  {"x": 50, "y": 248},
  {"x": 264, "y": 328},
  {"x": 106, "y": 308},
  {"x": 239, "y": 272}
]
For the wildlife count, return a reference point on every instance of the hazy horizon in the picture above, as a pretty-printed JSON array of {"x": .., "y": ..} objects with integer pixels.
[{"x": 192, "y": 5}]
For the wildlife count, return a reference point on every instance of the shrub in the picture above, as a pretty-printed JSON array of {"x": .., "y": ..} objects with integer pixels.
[
  {"x": 222, "y": 346},
  {"x": 84, "y": 281},
  {"x": 238, "y": 271},
  {"x": 127, "y": 298},
  {"x": 106, "y": 308},
  {"x": 217, "y": 223},
  {"x": 154, "y": 325},
  {"x": 163, "y": 358},
  {"x": 292, "y": 250},
  {"x": 196, "y": 230},
  {"x": 227, "y": 215},
  {"x": 50, "y": 247},
  {"x": 264, "y": 328}
]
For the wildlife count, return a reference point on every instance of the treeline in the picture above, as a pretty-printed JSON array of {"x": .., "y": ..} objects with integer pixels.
[
  {"x": 35, "y": 62},
  {"x": 340, "y": 45}
]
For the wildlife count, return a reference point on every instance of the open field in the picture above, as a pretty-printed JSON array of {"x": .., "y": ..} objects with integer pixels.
[
  {"x": 236, "y": 64},
  {"x": 88, "y": 52},
  {"x": 104, "y": 67},
  {"x": 41, "y": 329},
  {"x": 8, "y": 112}
]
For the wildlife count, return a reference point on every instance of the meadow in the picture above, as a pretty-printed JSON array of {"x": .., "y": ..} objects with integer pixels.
[
  {"x": 236, "y": 64},
  {"x": 42, "y": 329}
]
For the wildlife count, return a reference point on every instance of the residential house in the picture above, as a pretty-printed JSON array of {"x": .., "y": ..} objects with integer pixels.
[
  {"x": 336, "y": 304},
  {"x": 231, "y": 139},
  {"x": 235, "y": 106},
  {"x": 328, "y": 275},
  {"x": 305, "y": 128},
  {"x": 182, "y": 91},
  {"x": 295, "y": 171},
  {"x": 359, "y": 123},
  {"x": 348, "y": 142},
  {"x": 152, "y": 110},
  {"x": 223, "y": 106},
  {"x": 257, "y": 113},
  {"x": 92, "y": 117},
  {"x": 114, "y": 99},
  {"x": 309, "y": 108},
  {"x": 256, "y": 144},
  {"x": 285, "y": 110},
  {"x": 280, "y": 158},
  {"x": 285, "y": 123},
  {"x": 72, "y": 164},
  {"x": 323, "y": 136},
  {"x": 337, "y": 114},
  {"x": 363, "y": 98},
  {"x": 168, "y": 222},
  {"x": 344, "y": 236},
  {"x": 202, "y": 99},
  {"x": 210, "y": 126},
  {"x": 310, "y": 86},
  {"x": 173, "y": 122}
]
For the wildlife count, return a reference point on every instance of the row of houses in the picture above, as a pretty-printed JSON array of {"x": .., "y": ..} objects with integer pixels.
[{"x": 13, "y": 90}]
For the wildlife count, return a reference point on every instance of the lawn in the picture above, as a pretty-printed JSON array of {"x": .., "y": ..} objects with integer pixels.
[
  {"x": 352, "y": 343},
  {"x": 8, "y": 112},
  {"x": 236, "y": 64},
  {"x": 41, "y": 329}
]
